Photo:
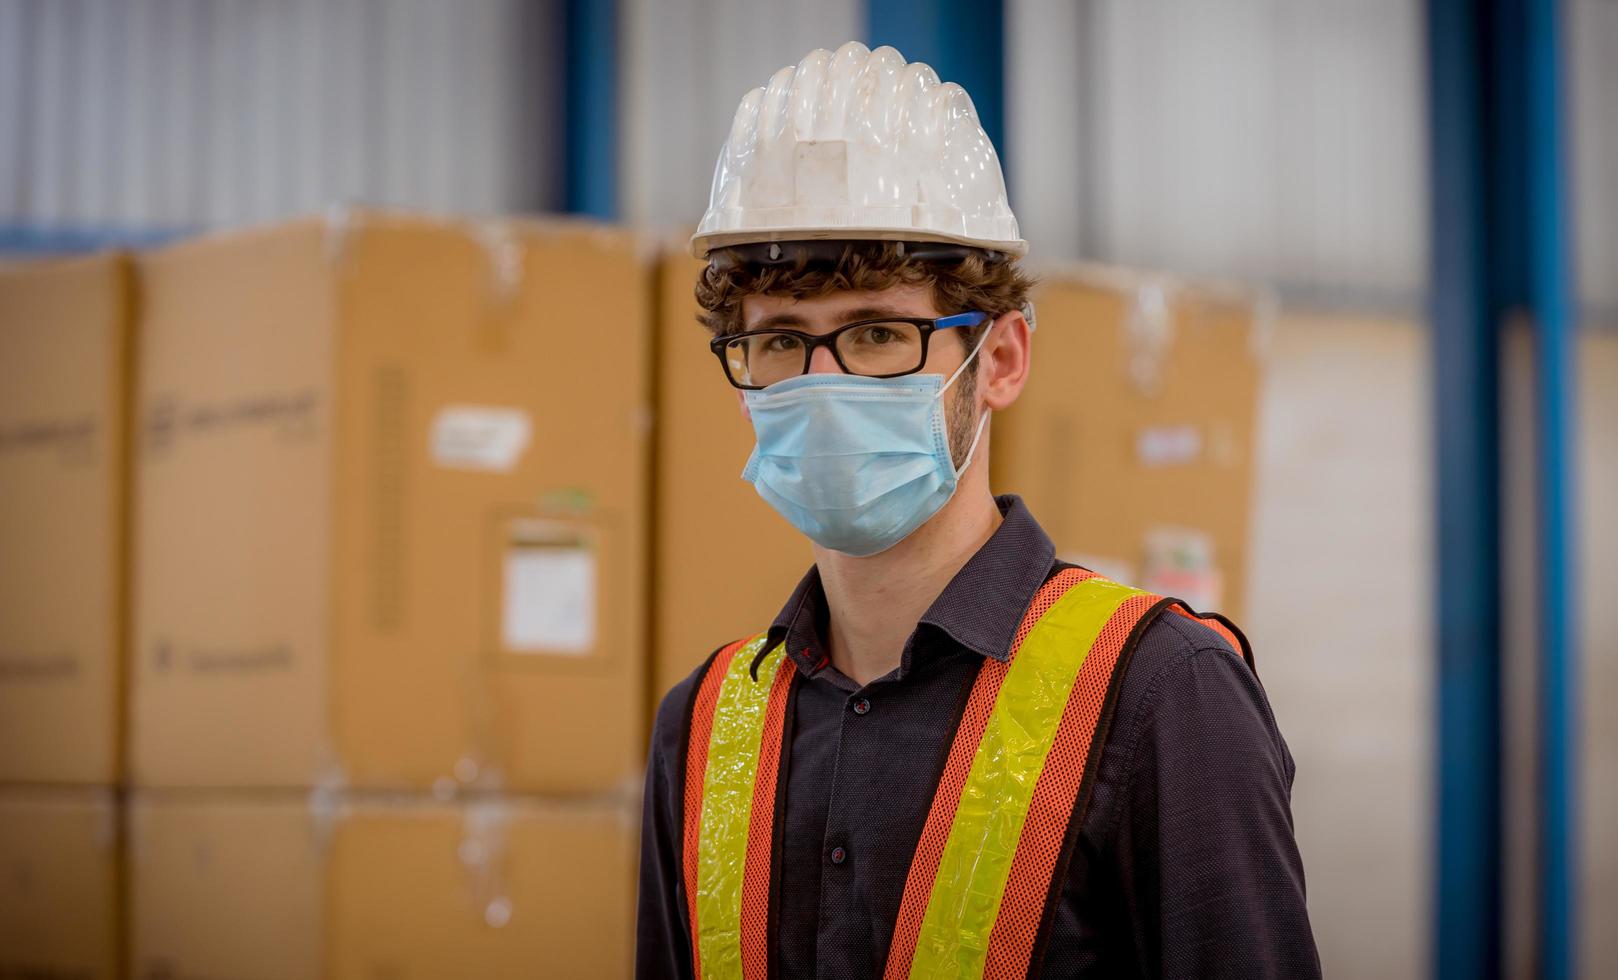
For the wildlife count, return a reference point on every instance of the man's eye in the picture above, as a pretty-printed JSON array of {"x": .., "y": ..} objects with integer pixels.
[
  {"x": 781, "y": 343},
  {"x": 877, "y": 336}
]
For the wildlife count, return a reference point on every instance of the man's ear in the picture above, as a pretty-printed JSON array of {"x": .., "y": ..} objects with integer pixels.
[{"x": 1005, "y": 361}]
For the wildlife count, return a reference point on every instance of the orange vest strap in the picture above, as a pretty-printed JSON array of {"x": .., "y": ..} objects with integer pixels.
[
  {"x": 761, "y": 831},
  {"x": 735, "y": 913},
  {"x": 946, "y": 800},
  {"x": 1061, "y": 796},
  {"x": 696, "y": 766}
]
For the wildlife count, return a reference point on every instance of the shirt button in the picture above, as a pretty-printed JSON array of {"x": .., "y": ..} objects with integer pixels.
[
  {"x": 838, "y": 855},
  {"x": 862, "y": 706}
]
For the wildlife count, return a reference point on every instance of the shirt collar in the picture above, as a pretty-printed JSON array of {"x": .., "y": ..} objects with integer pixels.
[{"x": 980, "y": 609}]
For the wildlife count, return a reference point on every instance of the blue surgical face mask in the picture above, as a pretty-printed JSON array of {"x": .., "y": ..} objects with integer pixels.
[{"x": 856, "y": 463}]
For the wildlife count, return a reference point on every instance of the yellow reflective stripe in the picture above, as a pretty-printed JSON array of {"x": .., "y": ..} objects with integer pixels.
[
  {"x": 727, "y": 808},
  {"x": 972, "y": 872}
]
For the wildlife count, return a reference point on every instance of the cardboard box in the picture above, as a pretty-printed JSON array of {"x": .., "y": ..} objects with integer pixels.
[
  {"x": 64, "y": 356},
  {"x": 725, "y": 562},
  {"x": 405, "y": 890},
  {"x": 59, "y": 883},
  {"x": 392, "y": 507},
  {"x": 1133, "y": 441}
]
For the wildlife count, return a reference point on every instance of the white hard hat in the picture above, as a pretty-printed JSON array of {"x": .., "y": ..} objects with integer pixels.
[{"x": 858, "y": 145}]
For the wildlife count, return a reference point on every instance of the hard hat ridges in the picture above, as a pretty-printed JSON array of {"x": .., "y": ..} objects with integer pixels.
[
  {"x": 875, "y": 111},
  {"x": 772, "y": 111},
  {"x": 915, "y": 86},
  {"x": 838, "y": 90},
  {"x": 733, "y": 157},
  {"x": 829, "y": 96},
  {"x": 807, "y": 85},
  {"x": 861, "y": 144}
]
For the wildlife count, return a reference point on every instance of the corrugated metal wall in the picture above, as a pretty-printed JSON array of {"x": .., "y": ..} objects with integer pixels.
[
  {"x": 1593, "y": 38},
  {"x": 1281, "y": 140},
  {"x": 183, "y": 113}
]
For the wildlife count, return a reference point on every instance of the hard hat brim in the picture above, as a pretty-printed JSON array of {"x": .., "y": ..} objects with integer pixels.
[{"x": 704, "y": 243}]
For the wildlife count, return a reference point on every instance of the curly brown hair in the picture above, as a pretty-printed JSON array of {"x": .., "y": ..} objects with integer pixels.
[{"x": 969, "y": 280}]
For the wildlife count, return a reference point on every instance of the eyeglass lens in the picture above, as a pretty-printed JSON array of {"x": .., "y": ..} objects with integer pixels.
[{"x": 874, "y": 349}]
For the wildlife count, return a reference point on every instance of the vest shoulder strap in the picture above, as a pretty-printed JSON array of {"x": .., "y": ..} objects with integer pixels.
[
  {"x": 733, "y": 752},
  {"x": 1017, "y": 776}
]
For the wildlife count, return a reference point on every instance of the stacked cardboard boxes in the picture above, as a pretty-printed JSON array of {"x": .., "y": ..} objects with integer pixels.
[
  {"x": 351, "y": 888},
  {"x": 64, "y": 343},
  {"x": 390, "y": 534},
  {"x": 1134, "y": 439},
  {"x": 60, "y": 914}
]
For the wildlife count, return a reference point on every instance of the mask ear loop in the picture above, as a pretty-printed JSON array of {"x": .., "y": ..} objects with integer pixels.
[
  {"x": 982, "y": 422},
  {"x": 981, "y": 341}
]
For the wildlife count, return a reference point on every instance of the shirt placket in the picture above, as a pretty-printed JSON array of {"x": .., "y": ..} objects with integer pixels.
[
  {"x": 839, "y": 933},
  {"x": 848, "y": 861}
]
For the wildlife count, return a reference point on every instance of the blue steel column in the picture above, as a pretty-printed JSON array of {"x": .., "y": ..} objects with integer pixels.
[
  {"x": 590, "y": 162},
  {"x": 1500, "y": 249},
  {"x": 964, "y": 41},
  {"x": 1465, "y": 352},
  {"x": 1548, "y": 296}
]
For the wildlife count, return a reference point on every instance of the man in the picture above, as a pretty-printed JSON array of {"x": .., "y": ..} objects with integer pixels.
[{"x": 950, "y": 754}]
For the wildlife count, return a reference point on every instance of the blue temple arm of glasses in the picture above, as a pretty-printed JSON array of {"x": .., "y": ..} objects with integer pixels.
[{"x": 961, "y": 320}]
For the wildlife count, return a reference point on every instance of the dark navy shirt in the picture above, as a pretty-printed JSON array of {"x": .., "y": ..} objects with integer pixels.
[{"x": 1185, "y": 864}]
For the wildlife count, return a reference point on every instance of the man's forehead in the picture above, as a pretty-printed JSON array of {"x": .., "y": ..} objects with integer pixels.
[{"x": 841, "y": 306}]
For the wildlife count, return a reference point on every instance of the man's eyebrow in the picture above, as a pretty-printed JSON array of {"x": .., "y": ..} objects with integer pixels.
[
  {"x": 778, "y": 320},
  {"x": 874, "y": 313},
  {"x": 850, "y": 316}
]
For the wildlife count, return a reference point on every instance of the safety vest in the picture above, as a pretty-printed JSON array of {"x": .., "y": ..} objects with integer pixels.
[{"x": 1020, "y": 769}]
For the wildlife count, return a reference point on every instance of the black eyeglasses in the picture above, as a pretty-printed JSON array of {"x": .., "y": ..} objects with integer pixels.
[{"x": 889, "y": 347}]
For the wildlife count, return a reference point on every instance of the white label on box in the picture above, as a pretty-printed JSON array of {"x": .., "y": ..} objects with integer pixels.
[
  {"x": 550, "y": 600},
  {"x": 1180, "y": 563},
  {"x": 479, "y": 437},
  {"x": 1168, "y": 445}
]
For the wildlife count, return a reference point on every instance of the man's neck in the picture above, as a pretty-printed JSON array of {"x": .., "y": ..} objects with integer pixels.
[{"x": 875, "y": 602}]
